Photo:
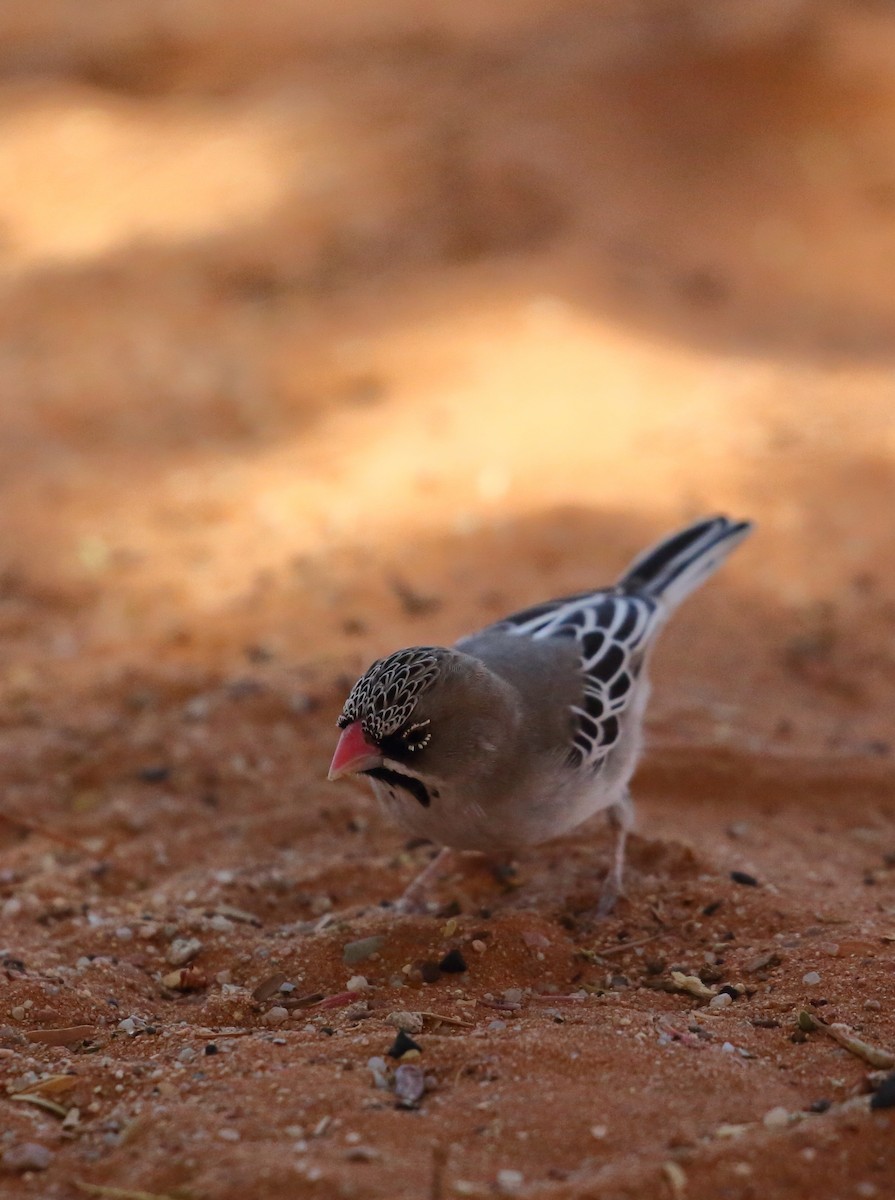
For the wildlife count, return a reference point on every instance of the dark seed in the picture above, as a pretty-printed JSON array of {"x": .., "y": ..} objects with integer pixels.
[
  {"x": 820, "y": 1106},
  {"x": 711, "y": 909},
  {"x": 884, "y": 1096},
  {"x": 158, "y": 774},
  {"x": 745, "y": 880},
  {"x": 211, "y": 1048},
  {"x": 401, "y": 1045},
  {"x": 429, "y": 972},
  {"x": 453, "y": 963}
]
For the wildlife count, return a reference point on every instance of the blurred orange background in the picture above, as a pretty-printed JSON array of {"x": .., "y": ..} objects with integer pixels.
[{"x": 301, "y": 298}]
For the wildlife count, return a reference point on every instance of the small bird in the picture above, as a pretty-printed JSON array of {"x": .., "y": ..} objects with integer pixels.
[{"x": 520, "y": 732}]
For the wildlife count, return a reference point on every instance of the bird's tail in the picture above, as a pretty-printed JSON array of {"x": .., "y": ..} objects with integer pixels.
[{"x": 671, "y": 570}]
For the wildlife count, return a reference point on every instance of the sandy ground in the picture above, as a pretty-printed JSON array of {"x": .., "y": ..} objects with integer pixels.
[{"x": 323, "y": 333}]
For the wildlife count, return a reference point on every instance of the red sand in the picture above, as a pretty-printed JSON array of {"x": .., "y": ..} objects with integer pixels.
[{"x": 323, "y": 336}]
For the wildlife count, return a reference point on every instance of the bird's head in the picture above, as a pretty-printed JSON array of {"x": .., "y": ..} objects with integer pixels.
[
  {"x": 426, "y": 712},
  {"x": 379, "y": 720}
]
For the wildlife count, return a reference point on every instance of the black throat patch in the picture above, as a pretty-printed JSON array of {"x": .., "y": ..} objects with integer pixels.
[{"x": 418, "y": 790}]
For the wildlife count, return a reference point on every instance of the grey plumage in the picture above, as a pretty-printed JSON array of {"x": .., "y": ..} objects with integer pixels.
[{"x": 525, "y": 729}]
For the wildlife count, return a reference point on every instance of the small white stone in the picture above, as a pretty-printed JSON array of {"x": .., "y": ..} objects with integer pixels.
[
  {"x": 776, "y": 1118},
  {"x": 598, "y": 1132},
  {"x": 410, "y": 1022},
  {"x": 124, "y": 933},
  {"x": 357, "y": 983},
  {"x": 722, "y": 1000},
  {"x": 509, "y": 1182},
  {"x": 276, "y": 1015},
  {"x": 183, "y": 950},
  {"x": 728, "y": 1047},
  {"x": 811, "y": 978},
  {"x": 228, "y": 1135},
  {"x": 27, "y": 1156}
]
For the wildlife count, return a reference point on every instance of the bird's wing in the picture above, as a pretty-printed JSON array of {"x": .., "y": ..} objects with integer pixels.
[{"x": 611, "y": 630}]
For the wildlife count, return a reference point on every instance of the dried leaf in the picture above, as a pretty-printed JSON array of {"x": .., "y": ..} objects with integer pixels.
[
  {"x": 185, "y": 979},
  {"x": 41, "y": 1102},
  {"x": 339, "y": 1000},
  {"x": 677, "y": 1180},
  {"x": 692, "y": 984},
  {"x": 269, "y": 987},
  {"x": 236, "y": 914}
]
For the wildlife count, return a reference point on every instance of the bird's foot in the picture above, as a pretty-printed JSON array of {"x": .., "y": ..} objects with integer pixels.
[
  {"x": 610, "y": 893},
  {"x": 414, "y": 899}
]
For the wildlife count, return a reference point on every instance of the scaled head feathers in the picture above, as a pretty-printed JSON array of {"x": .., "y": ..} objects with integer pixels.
[{"x": 386, "y": 695}]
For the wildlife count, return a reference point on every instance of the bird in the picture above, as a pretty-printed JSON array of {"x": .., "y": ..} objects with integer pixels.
[{"x": 519, "y": 732}]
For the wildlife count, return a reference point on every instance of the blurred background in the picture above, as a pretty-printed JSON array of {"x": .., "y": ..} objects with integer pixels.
[{"x": 326, "y": 328}]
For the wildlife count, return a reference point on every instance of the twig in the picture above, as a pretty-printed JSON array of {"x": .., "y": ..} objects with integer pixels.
[
  {"x": 629, "y": 945},
  {"x": 116, "y": 1193},
  {"x": 35, "y": 827},
  {"x": 439, "y": 1162}
]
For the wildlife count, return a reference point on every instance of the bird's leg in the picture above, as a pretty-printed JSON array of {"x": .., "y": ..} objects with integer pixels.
[
  {"x": 414, "y": 898},
  {"x": 621, "y": 818}
]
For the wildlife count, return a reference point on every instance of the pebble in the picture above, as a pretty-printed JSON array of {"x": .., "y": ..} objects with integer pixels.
[
  {"x": 379, "y": 1070},
  {"x": 776, "y": 1118},
  {"x": 276, "y": 1015},
  {"x": 357, "y": 983},
  {"x": 598, "y": 1132},
  {"x": 478, "y": 946},
  {"x": 873, "y": 1005},
  {"x": 410, "y": 1022},
  {"x": 359, "y": 951},
  {"x": 402, "y": 1044},
  {"x": 453, "y": 963},
  {"x": 410, "y": 1085},
  {"x": 27, "y": 1156},
  {"x": 884, "y": 1096},
  {"x": 124, "y": 933},
  {"x": 187, "y": 1054},
  {"x": 183, "y": 950},
  {"x": 811, "y": 978},
  {"x": 228, "y": 1135},
  {"x": 509, "y": 1182},
  {"x": 722, "y": 1000}
]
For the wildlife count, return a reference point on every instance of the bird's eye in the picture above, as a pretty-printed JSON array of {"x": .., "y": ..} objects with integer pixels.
[{"x": 415, "y": 737}]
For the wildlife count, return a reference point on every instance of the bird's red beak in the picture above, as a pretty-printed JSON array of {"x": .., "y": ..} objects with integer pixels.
[{"x": 353, "y": 753}]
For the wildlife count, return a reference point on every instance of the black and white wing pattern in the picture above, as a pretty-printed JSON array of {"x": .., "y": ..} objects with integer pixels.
[{"x": 612, "y": 629}]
